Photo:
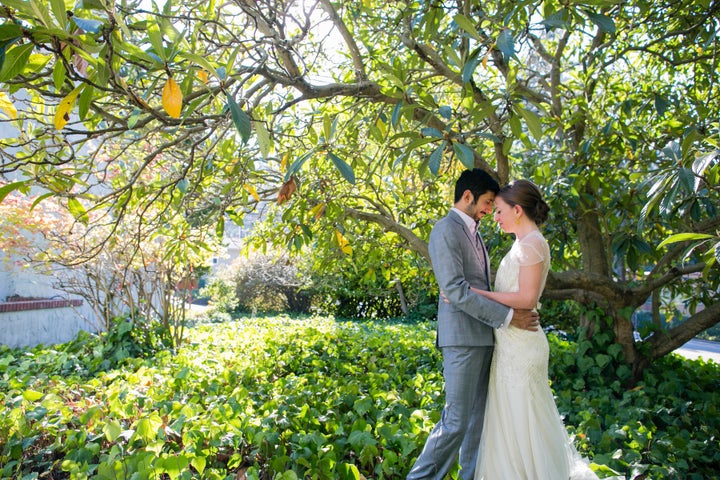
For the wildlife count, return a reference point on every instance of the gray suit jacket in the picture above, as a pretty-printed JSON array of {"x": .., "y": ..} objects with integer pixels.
[{"x": 469, "y": 318}]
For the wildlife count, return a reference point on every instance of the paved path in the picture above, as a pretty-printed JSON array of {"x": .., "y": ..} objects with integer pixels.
[{"x": 696, "y": 348}]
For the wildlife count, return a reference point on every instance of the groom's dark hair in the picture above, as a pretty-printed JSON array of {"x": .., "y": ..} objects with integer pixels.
[{"x": 477, "y": 181}]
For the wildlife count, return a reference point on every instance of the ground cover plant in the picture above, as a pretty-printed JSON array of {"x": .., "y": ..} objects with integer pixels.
[{"x": 312, "y": 397}]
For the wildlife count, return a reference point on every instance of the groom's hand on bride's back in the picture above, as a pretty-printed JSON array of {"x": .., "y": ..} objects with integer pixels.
[{"x": 525, "y": 319}]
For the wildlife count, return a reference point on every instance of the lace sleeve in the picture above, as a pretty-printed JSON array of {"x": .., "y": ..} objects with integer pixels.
[{"x": 531, "y": 250}]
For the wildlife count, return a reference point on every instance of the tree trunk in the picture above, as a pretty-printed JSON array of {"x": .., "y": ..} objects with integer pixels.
[{"x": 403, "y": 299}]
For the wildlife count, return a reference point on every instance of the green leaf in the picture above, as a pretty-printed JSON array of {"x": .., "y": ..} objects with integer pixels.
[
  {"x": 200, "y": 61},
  {"x": 603, "y": 22},
  {"x": 156, "y": 40},
  {"x": 112, "y": 430},
  {"x": 470, "y": 65},
  {"x": 263, "y": 138},
  {"x": 199, "y": 464},
  {"x": 147, "y": 428},
  {"x": 684, "y": 237},
  {"x": 397, "y": 112},
  {"x": 85, "y": 100},
  {"x": 506, "y": 44},
  {"x": 77, "y": 210},
  {"x": 58, "y": 75},
  {"x": 240, "y": 118},
  {"x": 32, "y": 395},
  {"x": 220, "y": 227},
  {"x": 432, "y": 132},
  {"x": 348, "y": 471},
  {"x": 9, "y": 33},
  {"x": 532, "y": 120},
  {"x": 345, "y": 170},
  {"x": 558, "y": 19},
  {"x": 297, "y": 165},
  {"x": 328, "y": 128},
  {"x": 465, "y": 23},
  {"x": 465, "y": 154},
  {"x": 6, "y": 189},
  {"x": 174, "y": 465},
  {"x": 60, "y": 12},
  {"x": 436, "y": 158},
  {"x": 661, "y": 104},
  {"x": 16, "y": 59}
]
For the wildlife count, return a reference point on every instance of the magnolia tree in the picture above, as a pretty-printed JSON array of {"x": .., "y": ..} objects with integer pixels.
[{"x": 357, "y": 113}]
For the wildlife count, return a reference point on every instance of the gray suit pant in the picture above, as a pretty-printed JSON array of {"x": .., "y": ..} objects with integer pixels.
[{"x": 466, "y": 371}]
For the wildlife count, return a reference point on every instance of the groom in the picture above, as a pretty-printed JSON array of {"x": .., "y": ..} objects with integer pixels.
[{"x": 465, "y": 328}]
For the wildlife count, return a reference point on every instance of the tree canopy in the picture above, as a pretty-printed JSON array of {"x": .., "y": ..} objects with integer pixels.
[{"x": 356, "y": 116}]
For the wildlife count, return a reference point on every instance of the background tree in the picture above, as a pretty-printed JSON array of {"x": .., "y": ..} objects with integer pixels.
[{"x": 610, "y": 106}]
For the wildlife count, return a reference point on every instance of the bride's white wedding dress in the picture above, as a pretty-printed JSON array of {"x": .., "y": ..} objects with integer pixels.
[{"x": 524, "y": 437}]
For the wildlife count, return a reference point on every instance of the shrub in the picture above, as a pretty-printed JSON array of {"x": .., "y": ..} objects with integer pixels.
[
  {"x": 222, "y": 294},
  {"x": 264, "y": 283}
]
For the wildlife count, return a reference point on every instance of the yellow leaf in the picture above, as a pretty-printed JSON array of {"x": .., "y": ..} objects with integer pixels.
[
  {"x": 343, "y": 243},
  {"x": 485, "y": 59},
  {"x": 203, "y": 75},
  {"x": 251, "y": 190},
  {"x": 7, "y": 106},
  {"x": 284, "y": 162},
  {"x": 62, "y": 114},
  {"x": 172, "y": 98},
  {"x": 317, "y": 210}
]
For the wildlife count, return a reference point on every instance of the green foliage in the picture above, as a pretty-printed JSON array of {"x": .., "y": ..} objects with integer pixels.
[
  {"x": 266, "y": 283},
  {"x": 222, "y": 294},
  {"x": 316, "y": 398},
  {"x": 663, "y": 428}
]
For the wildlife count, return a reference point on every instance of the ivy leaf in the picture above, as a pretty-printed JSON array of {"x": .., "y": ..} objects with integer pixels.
[
  {"x": 62, "y": 114},
  {"x": 172, "y": 98},
  {"x": 345, "y": 170},
  {"x": 348, "y": 471},
  {"x": 240, "y": 118},
  {"x": 32, "y": 395},
  {"x": 199, "y": 464},
  {"x": 112, "y": 430}
]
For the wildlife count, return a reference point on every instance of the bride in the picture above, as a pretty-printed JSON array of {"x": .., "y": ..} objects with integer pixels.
[{"x": 523, "y": 435}]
